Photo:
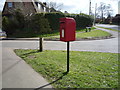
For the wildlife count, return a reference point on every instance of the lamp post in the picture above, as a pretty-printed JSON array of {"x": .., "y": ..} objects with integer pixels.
[{"x": 89, "y": 7}]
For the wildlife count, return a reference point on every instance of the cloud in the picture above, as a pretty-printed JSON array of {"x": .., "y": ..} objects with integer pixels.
[{"x": 2, "y": 4}]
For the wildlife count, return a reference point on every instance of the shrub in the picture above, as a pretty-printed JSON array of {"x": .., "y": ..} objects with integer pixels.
[
  {"x": 82, "y": 20},
  {"x": 5, "y": 23},
  {"x": 40, "y": 24},
  {"x": 13, "y": 23},
  {"x": 53, "y": 19},
  {"x": 19, "y": 18},
  {"x": 9, "y": 25},
  {"x": 116, "y": 19}
]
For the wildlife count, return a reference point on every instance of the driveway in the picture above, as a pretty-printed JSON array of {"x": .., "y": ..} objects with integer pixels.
[{"x": 116, "y": 27}]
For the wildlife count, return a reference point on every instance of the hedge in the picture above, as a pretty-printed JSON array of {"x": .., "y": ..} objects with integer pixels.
[
  {"x": 82, "y": 20},
  {"x": 13, "y": 22},
  {"x": 41, "y": 23},
  {"x": 53, "y": 19}
]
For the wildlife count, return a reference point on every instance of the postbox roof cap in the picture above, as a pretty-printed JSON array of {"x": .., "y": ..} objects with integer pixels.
[{"x": 66, "y": 18}]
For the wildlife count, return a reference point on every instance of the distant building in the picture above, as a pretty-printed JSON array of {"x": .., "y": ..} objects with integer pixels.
[
  {"x": 27, "y": 7},
  {"x": 116, "y": 19}
]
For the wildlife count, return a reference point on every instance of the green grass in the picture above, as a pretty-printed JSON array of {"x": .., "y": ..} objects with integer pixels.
[
  {"x": 108, "y": 28},
  {"x": 85, "y": 35},
  {"x": 87, "y": 69},
  {"x": 26, "y": 34},
  {"x": 95, "y": 33}
]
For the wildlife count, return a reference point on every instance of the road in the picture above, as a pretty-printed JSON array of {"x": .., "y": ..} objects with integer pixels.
[
  {"x": 108, "y": 45},
  {"x": 116, "y": 27},
  {"x": 104, "y": 45},
  {"x": 12, "y": 68}
]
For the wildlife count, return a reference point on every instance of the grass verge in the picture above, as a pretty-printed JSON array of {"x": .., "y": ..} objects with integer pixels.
[
  {"x": 95, "y": 33},
  {"x": 85, "y": 35},
  {"x": 28, "y": 34},
  {"x": 87, "y": 69},
  {"x": 108, "y": 28}
]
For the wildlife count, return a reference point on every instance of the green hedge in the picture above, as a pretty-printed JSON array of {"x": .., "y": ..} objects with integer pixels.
[
  {"x": 53, "y": 19},
  {"x": 116, "y": 19},
  {"x": 13, "y": 22},
  {"x": 9, "y": 25},
  {"x": 41, "y": 23},
  {"x": 82, "y": 20}
]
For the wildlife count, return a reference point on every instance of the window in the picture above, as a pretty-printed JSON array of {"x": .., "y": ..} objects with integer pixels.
[{"x": 10, "y": 4}]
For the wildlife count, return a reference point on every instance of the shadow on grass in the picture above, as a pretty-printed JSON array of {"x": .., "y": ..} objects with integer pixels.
[
  {"x": 37, "y": 51},
  {"x": 65, "y": 73}
]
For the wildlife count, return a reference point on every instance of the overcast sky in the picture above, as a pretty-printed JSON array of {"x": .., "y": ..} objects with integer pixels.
[{"x": 77, "y": 6}]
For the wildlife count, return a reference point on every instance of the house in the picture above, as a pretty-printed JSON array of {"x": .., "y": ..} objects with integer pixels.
[
  {"x": 116, "y": 19},
  {"x": 27, "y": 7}
]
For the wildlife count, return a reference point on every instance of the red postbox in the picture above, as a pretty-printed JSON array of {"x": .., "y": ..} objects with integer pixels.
[{"x": 67, "y": 29}]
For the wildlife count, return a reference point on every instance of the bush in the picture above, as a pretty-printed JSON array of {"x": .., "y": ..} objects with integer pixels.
[
  {"x": 13, "y": 23},
  {"x": 116, "y": 19},
  {"x": 9, "y": 25},
  {"x": 19, "y": 18},
  {"x": 53, "y": 19},
  {"x": 39, "y": 24},
  {"x": 82, "y": 20}
]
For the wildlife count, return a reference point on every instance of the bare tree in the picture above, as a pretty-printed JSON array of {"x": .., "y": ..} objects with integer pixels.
[
  {"x": 109, "y": 10},
  {"x": 105, "y": 10},
  {"x": 54, "y": 6}
]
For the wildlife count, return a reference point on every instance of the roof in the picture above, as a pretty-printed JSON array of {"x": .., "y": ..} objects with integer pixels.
[
  {"x": 33, "y": 1},
  {"x": 25, "y": 1},
  {"x": 19, "y": 0}
]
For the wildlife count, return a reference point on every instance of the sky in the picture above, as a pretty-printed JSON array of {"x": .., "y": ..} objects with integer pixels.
[{"x": 77, "y": 6}]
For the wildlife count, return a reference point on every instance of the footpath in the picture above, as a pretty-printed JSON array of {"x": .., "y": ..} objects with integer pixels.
[{"x": 16, "y": 73}]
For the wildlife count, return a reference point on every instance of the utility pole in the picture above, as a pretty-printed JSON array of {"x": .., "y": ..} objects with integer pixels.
[
  {"x": 95, "y": 13},
  {"x": 89, "y": 7}
]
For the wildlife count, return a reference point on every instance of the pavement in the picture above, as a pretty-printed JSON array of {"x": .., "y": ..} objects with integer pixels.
[{"x": 17, "y": 74}]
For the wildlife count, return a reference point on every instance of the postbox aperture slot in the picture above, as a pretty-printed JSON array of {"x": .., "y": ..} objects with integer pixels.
[{"x": 62, "y": 22}]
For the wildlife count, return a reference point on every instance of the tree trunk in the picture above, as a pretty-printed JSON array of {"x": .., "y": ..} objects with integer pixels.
[{"x": 41, "y": 44}]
